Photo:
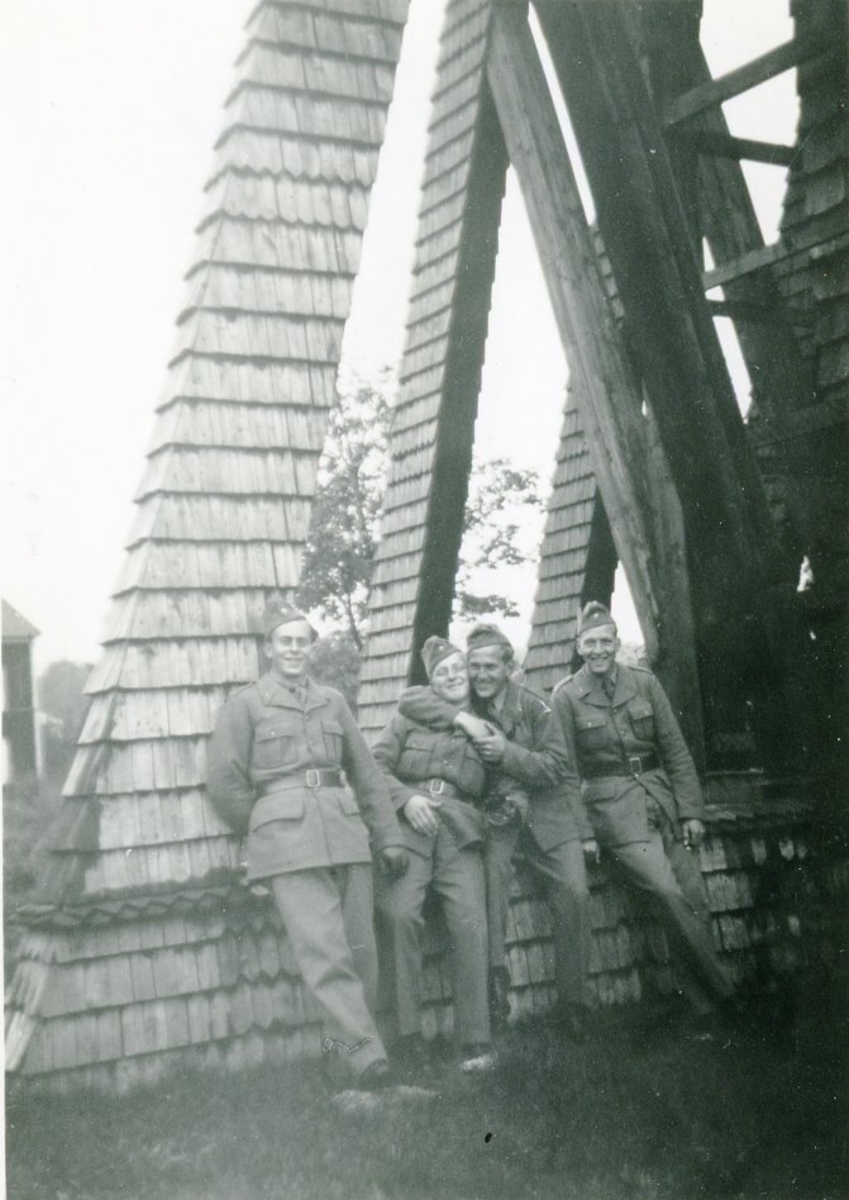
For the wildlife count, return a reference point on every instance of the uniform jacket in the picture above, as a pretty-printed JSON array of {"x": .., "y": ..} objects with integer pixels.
[
  {"x": 599, "y": 732},
  {"x": 555, "y": 812},
  {"x": 411, "y": 753},
  {"x": 264, "y": 739}
]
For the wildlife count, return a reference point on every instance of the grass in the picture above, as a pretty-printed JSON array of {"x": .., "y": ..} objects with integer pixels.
[{"x": 664, "y": 1116}]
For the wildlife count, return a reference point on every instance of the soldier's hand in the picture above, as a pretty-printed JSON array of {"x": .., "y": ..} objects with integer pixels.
[
  {"x": 420, "y": 811},
  {"x": 592, "y": 851},
  {"x": 394, "y": 861},
  {"x": 491, "y": 748},
  {"x": 694, "y": 831},
  {"x": 473, "y": 727}
]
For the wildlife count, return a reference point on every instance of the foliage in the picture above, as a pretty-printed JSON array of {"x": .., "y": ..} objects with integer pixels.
[
  {"x": 502, "y": 502},
  {"x": 61, "y": 696},
  {"x": 29, "y": 807},
  {"x": 342, "y": 541},
  {"x": 341, "y": 545},
  {"x": 336, "y": 661}
]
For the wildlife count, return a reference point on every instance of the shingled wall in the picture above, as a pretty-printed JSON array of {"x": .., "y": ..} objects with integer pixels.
[
  {"x": 434, "y": 343},
  {"x": 146, "y": 952}
]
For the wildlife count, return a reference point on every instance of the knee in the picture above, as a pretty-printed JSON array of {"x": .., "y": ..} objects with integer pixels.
[{"x": 401, "y": 913}]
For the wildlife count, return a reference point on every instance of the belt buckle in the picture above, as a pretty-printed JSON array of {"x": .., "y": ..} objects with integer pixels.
[
  {"x": 313, "y": 778},
  {"x": 635, "y": 764},
  {"x": 436, "y": 787}
]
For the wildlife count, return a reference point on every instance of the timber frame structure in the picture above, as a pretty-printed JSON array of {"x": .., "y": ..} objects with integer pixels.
[{"x": 144, "y": 953}]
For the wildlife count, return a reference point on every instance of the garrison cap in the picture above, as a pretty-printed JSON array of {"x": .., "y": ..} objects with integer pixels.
[
  {"x": 279, "y": 613},
  {"x": 485, "y": 634},
  {"x": 593, "y": 616},
  {"x": 435, "y": 650}
]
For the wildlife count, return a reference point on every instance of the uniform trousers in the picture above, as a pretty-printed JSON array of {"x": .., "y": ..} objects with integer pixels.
[
  {"x": 456, "y": 876},
  {"x": 562, "y": 875},
  {"x": 328, "y": 913},
  {"x": 680, "y": 910}
]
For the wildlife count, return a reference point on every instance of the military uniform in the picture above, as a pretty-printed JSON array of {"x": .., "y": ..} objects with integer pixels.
[
  {"x": 442, "y": 763},
  {"x": 275, "y": 773},
  {"x": 638, "y": 783},
  {"x": 548, "y": 835}
]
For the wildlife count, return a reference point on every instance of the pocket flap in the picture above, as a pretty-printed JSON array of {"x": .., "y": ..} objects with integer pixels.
[
  {"x": 331, "y": 726},
  {"x": 419, "y": 741},
  {"x": 278, "y": 806},
  {"x": 266, "y": 732},
  {"x": 591, "y": 722},
  {"x": 640, "y": 709}
]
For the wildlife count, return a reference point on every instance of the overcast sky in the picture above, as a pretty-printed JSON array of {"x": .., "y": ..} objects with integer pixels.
[{"x": 109, "y": 116}]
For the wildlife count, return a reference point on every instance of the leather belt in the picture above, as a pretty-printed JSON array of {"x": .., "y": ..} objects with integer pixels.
[
  {"x": 315, "y": 777},
  {"x": 635, "y": 764},
  {"x": 440, "y": 787}
]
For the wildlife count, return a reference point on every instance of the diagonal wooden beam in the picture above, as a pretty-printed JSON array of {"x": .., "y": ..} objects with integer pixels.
[
  {"x": 723, "y": 145},
  {"x": 605, "y": 386},
  {"x": 742, "y": 79},
  {"x": 659, "y": 279}
]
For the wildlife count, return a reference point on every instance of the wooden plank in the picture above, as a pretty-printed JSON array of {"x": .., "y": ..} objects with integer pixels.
[
  {"x": 747, "y": 264},
  {"x": 751, "y": 74},
  {"x": 704, "y": 141}
]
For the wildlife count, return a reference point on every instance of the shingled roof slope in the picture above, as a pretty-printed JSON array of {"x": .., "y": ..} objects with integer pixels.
[
  {"x": 145, "y": 951},
  {"x": 16, "y": 628},
  {"x": 444, "y": 216}
]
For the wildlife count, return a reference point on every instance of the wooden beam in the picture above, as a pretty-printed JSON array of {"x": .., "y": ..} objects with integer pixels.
[
  {"x": 463, "y": 364},
  {"x": 742, "y": 79},
  {"x": 725, "y": 146},
  {"x": 604, "y": 384},
  {"x": 671, "y": 333},
  {"x": 753, "y": 313},
  {"x": 747, "y": 264},
  {"x": 782, "y": 379}
]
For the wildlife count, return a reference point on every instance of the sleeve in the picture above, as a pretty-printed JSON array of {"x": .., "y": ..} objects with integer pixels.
[
  {"x": 387, "y": 753},
  {"x": 675, "y": 756},
  {"x": 422, "y": 705},
  {"x": 561, "y": 742},
  {"x": 228, "y": 781},
  {"x": 368, "y": 783},
  {"x": 541, "y": 765}
]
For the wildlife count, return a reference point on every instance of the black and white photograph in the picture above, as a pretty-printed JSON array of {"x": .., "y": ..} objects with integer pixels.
[{"x": 425, "y": 599}]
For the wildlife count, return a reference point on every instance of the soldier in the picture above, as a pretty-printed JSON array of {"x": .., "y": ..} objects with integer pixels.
[
  {"x": 639, "y": 785},
  {"x": 275, "y": 771},
  {"x": 438, "y": 783},
  {"x": 548, "y": 828}
]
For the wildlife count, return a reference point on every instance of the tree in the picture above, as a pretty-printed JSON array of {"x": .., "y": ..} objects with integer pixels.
[
  {"x": 339, "y": 553},
  {"x": 61, "y": 696},
  {"x": 498, "y": 531},
  {"x": 501, "y": 524}
]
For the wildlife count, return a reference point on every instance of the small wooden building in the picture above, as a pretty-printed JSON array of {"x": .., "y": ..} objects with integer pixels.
[
  {"x": 20, "y": 750},
  {"x": 145, "y": 953}
]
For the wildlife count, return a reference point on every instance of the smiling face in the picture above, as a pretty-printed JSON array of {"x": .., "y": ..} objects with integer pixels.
[
  {"x": 288, "y": 648},
  {"x": 489, "y": 670},
  {"x": 597, "y": 647},
  {"x": 450, "y": 679}
]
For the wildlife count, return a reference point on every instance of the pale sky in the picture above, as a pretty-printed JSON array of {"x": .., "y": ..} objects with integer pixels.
[{"x": 109, "y": 116}]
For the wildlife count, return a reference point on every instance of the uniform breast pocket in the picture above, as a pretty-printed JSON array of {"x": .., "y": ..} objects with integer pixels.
[
  {"x": 642, "y": 720},
  {"x": 591, "y": 732},
  {"x": 415, "y": 756},
  {"x": 274, "y": 746},
  {"x": 332, "y": 733}
]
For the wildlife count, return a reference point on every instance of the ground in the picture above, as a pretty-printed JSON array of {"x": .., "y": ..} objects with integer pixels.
[{"x": 638, "y": 1112}]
